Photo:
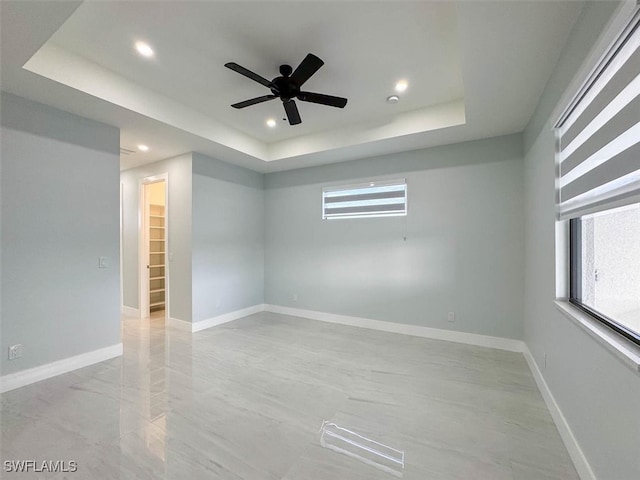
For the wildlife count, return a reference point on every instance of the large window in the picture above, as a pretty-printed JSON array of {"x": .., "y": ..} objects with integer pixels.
[
  {"x": 374, "y": 199},
  {"x": 599, "y": 187},
  {"x": 605, "y": 267}
]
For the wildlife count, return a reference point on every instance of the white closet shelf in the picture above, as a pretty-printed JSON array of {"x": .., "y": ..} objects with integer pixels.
[{"x": 157, "y": 258}]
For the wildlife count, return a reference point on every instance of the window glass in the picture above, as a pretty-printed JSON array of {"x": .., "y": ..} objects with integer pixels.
[{"x": 607, "y": 264}]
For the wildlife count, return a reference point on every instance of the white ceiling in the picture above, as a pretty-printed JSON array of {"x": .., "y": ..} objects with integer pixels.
[{"x": 475, "y": 70}]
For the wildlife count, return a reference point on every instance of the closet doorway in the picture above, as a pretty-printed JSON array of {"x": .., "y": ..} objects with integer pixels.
[{"x": 154, "y": 251}]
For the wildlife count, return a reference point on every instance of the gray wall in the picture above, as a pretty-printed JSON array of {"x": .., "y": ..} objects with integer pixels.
[
  {"x": 585, "y": 32},
  {"x": 216, "y": 236},
  {"x": 463, "y": 248},
  {"x": 228, "y": 238},
  {"x": 59, "y": 214},
  {"x": 179, "y": 232},
  {"x": 598, "y": 394}
]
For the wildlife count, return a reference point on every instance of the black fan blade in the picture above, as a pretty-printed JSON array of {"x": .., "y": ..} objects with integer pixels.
[
  {"x": 248, "y": 73},
  {"x": 253, "y": 101},
  {"x": 307, "y": 67},
  {"x": 322, "y": 99},
  {"x": 292, "y": 112}
]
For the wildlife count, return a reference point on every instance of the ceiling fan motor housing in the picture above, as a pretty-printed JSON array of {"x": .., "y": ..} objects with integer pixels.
[{"x": 284, "y": 86}]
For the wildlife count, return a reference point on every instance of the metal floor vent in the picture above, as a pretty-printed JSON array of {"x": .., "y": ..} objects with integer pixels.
[{"x": 361, "y": 448}]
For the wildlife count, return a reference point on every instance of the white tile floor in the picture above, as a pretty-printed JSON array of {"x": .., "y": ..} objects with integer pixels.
[{"x": 246, "y": 400}]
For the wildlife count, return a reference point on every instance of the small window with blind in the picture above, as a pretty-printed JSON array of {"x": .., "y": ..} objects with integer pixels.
[
  {"x": 599, "y": 187},
  {"x": 374, "y": 199}
]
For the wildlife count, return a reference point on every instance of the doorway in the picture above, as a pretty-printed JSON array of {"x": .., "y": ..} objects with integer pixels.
[{"x": 154, "y": 271}]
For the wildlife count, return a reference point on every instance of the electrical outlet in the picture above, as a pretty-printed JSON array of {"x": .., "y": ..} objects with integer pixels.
[
  {"x": 15, "y": 351},
  {"x": 295, "y": 297},
  {"x": 451, "y": 317}
]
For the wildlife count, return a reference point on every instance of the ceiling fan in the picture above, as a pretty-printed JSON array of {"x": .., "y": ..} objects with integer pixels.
[{"x": 287, "y": 87}]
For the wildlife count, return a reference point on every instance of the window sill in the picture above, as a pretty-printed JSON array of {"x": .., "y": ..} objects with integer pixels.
[{"x": 627, "y": 351}]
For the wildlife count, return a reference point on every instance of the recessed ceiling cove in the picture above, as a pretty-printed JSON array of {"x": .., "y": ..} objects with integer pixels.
[{"x": 366, "y": 47}]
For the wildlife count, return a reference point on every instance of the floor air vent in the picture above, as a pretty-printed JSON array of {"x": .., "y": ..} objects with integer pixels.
[{"x": 361, "y": 448}]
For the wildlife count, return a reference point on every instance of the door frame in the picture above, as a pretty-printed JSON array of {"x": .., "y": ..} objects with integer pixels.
[{"x": 143, "y": 244}]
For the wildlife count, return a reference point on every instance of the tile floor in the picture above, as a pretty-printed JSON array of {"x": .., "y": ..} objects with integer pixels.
[{"x": 246, "y": 400}]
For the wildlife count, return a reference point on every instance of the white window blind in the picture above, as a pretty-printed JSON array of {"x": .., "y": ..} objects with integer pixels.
[
  {"x": 373, "y": 199},
  {"x": 599, "y": 135}
]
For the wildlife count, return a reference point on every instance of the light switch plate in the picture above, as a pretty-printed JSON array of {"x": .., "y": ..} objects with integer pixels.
[{"x": 103, "y": 262}]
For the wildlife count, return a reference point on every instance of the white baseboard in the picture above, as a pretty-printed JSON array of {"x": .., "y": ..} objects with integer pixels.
[
  {"x": 225, "y": 318},
  {"x": 33, "y": 375},
  {"x": 573, "y": 447},
  {"x": 130, "y": 311},
  {"x": 509, "y": 344}
]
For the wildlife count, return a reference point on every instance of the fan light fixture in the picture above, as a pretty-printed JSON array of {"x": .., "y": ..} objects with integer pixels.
[{"x": 144, "y": 49}]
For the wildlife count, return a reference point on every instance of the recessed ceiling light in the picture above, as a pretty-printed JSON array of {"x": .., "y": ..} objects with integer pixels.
[
  {"x": 271, "y": 123},
  {"x": 393, "y": 99},
  {"x": 401, "y": 86},
  {"x": 144, "y": 49},
  {"x": 143, "y": 148}
]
